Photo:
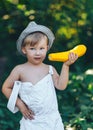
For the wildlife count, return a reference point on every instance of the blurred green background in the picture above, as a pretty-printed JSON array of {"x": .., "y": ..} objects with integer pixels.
[{"x": 72, "y": 23}]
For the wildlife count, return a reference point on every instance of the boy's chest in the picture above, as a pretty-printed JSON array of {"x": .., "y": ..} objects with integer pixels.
[{"x": 32, "y": 76}]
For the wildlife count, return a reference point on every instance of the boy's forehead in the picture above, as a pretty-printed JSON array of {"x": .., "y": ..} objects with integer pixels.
[{"x": 42, "y": 42}]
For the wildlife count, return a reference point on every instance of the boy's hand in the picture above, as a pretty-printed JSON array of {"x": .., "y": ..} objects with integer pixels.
[
  {"x": 72, "y": 58},
  {"x": 26, "y": 112}
]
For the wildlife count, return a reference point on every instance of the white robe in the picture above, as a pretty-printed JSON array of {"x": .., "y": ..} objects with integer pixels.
[{"x": 41, "y": 99}]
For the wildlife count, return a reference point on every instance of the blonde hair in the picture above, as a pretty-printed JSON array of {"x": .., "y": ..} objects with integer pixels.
[{"x": 34, "y": 38}]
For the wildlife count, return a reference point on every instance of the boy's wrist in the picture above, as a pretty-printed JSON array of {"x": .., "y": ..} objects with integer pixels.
[
  {"x": 65, "y": 64},
  {"x": 19, "y": 103}
]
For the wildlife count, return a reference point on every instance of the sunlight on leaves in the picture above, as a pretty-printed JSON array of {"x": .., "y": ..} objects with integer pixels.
[
  {"x": 13, "y": 1},
  {"x": 90, "y": 86},
  {"x": 5, "y": 17},
  {"x": 30, "y": 14},
  {"x": 31, "y": 17},
  {"x": 84, "y": 16},
  {"x": 81, "y": 22},
  {"x": 56, "y": 6},
  {"x": 27, "y": 13},
  {"x": 89, "y": 72},
  {"x": 68, "y": 127},
  {"x": 21, "y": 7},
  {"x": 80, "y": 78},
  {"x": 67, "y": 32}
]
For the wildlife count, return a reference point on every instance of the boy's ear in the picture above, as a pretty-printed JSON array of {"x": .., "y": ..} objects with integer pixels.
[{"x": 23, "y": 50}]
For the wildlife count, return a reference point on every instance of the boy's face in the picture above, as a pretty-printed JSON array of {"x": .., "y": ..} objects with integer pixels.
[{"x": 37, "y": 53}]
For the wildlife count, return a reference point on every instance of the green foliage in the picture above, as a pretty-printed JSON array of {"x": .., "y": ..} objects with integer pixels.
[
  {"x": 76, "y": 102},
  {"x": 8, "y": 121}
]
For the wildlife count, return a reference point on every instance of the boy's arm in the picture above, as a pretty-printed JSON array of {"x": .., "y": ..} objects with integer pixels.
[
  {"x": 62, "y": 80},
  {"x": 9, "y": 82},
  {"x": 7, "y": 90}
]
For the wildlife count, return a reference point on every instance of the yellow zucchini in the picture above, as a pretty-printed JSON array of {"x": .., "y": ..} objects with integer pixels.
[{"x": 80, "y": 50}]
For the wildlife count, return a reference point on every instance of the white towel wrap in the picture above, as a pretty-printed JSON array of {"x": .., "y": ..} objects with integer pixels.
[{"x": 13, "y": 97}]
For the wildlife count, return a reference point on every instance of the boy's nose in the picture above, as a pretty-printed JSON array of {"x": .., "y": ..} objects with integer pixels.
[{"x": 37, "y": 52}]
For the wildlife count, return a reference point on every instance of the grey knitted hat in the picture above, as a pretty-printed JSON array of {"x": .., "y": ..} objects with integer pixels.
[{"x": 31, "y": 28}]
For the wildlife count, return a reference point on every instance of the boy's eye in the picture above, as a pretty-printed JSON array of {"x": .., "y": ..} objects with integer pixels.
[
  {"x": 42, "y": 48},
  {"x": 32, "y": 48}
]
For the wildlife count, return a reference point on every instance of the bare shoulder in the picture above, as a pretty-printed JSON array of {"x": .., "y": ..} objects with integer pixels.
[
  {"x": 17, "y": 70},
  {"x": 15, "y": 75}
]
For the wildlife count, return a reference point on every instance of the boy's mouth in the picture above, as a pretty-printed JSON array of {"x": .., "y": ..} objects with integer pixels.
[{"x": 37, "y": 58}]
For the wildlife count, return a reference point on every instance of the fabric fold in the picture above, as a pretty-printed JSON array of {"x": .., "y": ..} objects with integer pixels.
[{"x": 11, "y": 105}]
